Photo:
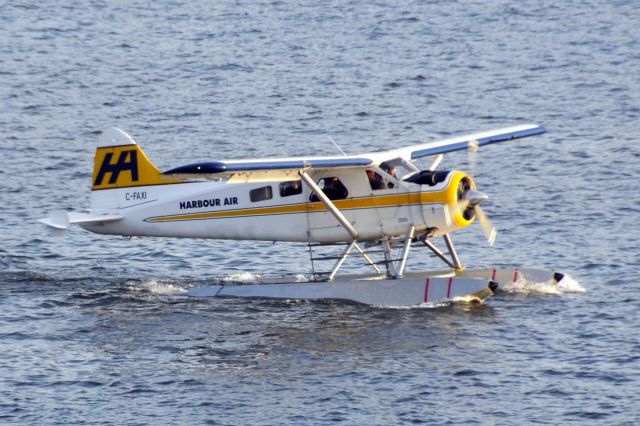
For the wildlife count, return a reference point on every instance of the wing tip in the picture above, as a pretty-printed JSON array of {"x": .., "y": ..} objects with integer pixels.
[{"x": 482, "y": 138}]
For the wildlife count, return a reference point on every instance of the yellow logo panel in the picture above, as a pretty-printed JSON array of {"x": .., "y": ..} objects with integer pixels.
[{"x": 125, "y": 166}]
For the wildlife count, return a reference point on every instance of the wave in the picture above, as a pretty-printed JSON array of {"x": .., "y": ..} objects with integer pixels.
[{"x": 567, "y": 285}]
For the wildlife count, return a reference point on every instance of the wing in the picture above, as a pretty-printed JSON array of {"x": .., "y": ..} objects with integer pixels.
[
  {"x": 459, "y": 143},
  {"x": 282, "y": 168},
  {"x": 265, "y": 168},
  {"x": 235, "y": 166}
]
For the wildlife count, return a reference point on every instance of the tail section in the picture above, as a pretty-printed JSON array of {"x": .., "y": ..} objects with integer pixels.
[
  {"x": 121, "y": 163},
  {"x": 123, "y": 176}
]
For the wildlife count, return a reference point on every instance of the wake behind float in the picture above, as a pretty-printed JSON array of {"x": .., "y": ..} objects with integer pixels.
[{"x": 376, "y": 206}]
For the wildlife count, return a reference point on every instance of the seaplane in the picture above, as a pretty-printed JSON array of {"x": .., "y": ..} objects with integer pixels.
[{"x": 376, "y": 207}]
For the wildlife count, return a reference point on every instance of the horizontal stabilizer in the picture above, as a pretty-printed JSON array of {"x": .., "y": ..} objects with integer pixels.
[{"x": 60, "y": 219}]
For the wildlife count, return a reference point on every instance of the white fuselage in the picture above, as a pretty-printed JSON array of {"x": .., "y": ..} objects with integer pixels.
[{"x": 225, "y": 210}]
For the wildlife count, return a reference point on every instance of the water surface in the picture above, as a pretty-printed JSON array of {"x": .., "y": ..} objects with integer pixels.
[{"x": 98, "y": 329}]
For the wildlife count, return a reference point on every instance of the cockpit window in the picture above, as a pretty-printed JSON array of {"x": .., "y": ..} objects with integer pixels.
[
  {"x": 390, "y": 168},
  {"x": 333, "y": 188},
  {"x": 376, "y": 181},
  {"x": 397, "y": 168}
]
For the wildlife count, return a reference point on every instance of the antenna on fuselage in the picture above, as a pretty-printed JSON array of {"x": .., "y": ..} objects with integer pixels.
[{"x": 336, "y": 145}]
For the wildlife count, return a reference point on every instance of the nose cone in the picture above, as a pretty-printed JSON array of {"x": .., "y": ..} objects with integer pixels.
[{"x": 476, "y": 197}]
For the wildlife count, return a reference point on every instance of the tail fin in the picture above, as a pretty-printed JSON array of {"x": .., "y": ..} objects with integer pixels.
[{"x": 121, "y": 163}]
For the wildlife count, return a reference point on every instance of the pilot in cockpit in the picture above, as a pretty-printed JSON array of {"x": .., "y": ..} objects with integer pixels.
[{"x": 391, "y": 170}]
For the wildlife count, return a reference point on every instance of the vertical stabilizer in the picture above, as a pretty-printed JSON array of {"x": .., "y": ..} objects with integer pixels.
[
  {"x": 121, "y": 163},
  {"x": 123, "y": 176}
]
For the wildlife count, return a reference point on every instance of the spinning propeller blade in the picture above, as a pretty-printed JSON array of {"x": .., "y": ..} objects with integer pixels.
[
  {"x": 469, "y": 201},
  {"x": 475, "y": 198},
  {"x": 487, "y": 227}
]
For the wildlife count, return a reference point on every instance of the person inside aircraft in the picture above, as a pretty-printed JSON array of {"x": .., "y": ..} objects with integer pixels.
[
  {"x": 375, "y": 180},
  {"x": 333, "y": 189},
  {"x": 391, "y": 170},
  {"x": 289, "y": 188}
]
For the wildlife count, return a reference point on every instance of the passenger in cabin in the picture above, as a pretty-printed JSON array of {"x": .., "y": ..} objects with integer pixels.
[
  {"x": 289, "y": 188},
  {"x": 375, "y": 180},
  {"x": 296, "y": 187},
  {"x": 332, "y": 188}
]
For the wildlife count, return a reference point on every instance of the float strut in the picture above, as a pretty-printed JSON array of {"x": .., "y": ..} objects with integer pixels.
[
  {"x": 405, "y": 251},
  {"x": 437, "y": 252},
  {"x": 341, "y": 260},
  {"x": 452, "y": 251},
  {"x": 367, "y": 258},
  {"x": 388, "y": 258}
]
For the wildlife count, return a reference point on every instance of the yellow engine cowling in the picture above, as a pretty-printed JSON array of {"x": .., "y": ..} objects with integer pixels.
[{"x": 444, "y": 208}]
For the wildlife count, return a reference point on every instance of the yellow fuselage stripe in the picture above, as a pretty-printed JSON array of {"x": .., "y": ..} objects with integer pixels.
[{"x": 396, "y": 200}]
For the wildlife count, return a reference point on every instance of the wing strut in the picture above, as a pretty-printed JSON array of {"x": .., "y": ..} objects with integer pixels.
[
  {"x": 435, "y": 162},
  {"x": 343, "y": 221},
  {"x": 327, "y": 202}
]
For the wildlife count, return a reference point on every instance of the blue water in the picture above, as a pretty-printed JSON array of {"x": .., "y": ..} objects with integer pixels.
[{"x": 98, "y": 329}]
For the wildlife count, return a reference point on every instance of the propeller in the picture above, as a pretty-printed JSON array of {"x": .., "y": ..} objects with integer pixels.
[
  {"x": 475, "y": 198},
  {"x": 489, "y": 230},
  {"x": 469, "y": 203}
]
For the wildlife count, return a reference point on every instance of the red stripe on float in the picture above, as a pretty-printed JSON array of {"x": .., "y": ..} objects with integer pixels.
[
  {"x": 493, "y": 275},
  {"x": 449, "y": 288},
  {"x": 515, "y": 276},
  {"x": 426, "y": 291}
]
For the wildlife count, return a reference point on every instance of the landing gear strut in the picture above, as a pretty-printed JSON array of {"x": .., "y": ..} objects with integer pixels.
[{"x": 454, "y": 262}]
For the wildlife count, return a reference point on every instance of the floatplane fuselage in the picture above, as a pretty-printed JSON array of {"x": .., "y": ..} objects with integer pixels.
[{"x": 378, "y": 198}]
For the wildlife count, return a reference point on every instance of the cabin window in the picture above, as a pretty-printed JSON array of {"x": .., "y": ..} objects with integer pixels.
[
  {"x": 292, "y": 187},
  {"x": 333, "y": 188},
  {"x": 261, "y": 194}
]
